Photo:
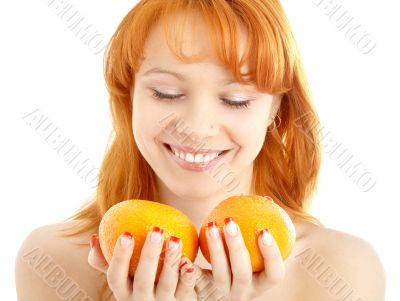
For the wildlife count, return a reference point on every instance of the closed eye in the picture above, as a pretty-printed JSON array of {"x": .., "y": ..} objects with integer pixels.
[{"x": 227, "y": 102}]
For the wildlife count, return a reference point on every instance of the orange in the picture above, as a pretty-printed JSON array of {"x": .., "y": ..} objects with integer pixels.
[
  {"x": 138, "y": 217},
  {"x": 252, "y": 213}
]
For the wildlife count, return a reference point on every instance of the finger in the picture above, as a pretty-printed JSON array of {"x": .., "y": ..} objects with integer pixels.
[
  {"x": 274, "y": 268},
  {"x": 219, "y": 259},
  {"x": 187, "y": 281},
  {"x": 242, "y": 272},
  {"x": 96, "y": 258},
  {"x": 145, "y": 274},
  {"x": 207, "y": 289},
  {"x": 118, "y": 272},
  {"x": 169, "y": 276}
]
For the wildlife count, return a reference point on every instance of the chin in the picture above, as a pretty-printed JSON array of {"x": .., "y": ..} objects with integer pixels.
[{"x": 195, "y": 191}]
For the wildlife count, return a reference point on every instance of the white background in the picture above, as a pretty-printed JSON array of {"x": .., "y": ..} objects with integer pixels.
[{"x": 45, "y": 66}]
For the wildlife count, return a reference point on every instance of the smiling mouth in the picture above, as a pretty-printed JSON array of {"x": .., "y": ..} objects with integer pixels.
[{"x": 168, "y": 147}]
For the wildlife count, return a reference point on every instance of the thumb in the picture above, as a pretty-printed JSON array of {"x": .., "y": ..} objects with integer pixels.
[
  {"x": 187, "y": 280},
  {"x": 96, "y": 258}
]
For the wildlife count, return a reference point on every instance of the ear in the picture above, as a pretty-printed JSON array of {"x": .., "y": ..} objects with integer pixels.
[{"x": 276, "y": 103}]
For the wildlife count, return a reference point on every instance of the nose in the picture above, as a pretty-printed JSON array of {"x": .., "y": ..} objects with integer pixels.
[{"x": 198, "y": 122}]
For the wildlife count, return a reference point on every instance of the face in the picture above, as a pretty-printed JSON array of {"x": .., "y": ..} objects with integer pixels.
[{"x": 202, "y": 108}]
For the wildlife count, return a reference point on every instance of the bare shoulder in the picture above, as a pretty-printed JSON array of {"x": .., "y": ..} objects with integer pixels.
[
  {"x": 340, "y": 264},
  {"x": 52, "y": 267}
]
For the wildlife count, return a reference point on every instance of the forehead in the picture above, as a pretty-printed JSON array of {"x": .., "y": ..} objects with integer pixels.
[{"x": 193, "y": 37}]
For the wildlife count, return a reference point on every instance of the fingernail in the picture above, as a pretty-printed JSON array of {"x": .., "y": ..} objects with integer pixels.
[
  {"x": 212, "y": 227},
  {"x": 183, "y": 262},
  {"x": 268, "y": 198},
  {"x": 126, "y": 239},
  {"x": 173, "y": 242},
  {"x": 93, "y": 240},
  {"x": 189, "y": 270},
  {"x": 266, "y": 237},
  {"x": 156, "y": 235},
  {"x": 230, "y": 225}
]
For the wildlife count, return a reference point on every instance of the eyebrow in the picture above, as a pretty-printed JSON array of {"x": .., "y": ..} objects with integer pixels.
[{"x": 180, "y": 76}]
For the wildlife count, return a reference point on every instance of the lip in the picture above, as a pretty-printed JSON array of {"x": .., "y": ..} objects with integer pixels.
[{"x": 194, "y": 166}]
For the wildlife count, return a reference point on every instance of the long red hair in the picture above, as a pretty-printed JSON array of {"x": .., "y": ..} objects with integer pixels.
[{"x": 287, "y": 166}]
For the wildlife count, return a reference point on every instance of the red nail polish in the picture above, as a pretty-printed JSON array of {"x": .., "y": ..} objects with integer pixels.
[
  {"x": 126, "y": 239},
  {"x": 183, "y": 263},
  {"x": 266, "y": 237},
  {"x": 174, "y": 239},
  {"x": 158, "y": 229},
  {"x": 93, "y": 240},
  {"x": 212, "y": 224},
  {"x": 127, "y": 234},
  {"x": 189, "y": 270},
  {"x": 228, "y": 220}
]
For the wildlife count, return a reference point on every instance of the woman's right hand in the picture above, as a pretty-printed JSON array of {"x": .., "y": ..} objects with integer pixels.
[{"x": 177, "y": 279}]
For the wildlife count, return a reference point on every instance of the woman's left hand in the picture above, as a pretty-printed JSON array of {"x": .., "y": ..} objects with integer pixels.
[{"x": 232, "y": 275}]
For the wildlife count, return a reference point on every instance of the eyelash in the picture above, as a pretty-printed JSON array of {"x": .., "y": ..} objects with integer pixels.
[{"x": 227, "y": 102}]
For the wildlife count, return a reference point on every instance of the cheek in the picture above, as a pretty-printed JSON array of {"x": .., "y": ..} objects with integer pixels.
[
  {"x": 150, "y": 118},
  {"x": 251, "y": 129}
]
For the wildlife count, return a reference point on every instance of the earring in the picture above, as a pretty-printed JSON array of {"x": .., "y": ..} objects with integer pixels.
[{"x": 275, "y": 126}]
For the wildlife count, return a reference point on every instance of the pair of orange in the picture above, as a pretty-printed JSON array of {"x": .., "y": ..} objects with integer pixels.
[{"x": 252, "y": 213}]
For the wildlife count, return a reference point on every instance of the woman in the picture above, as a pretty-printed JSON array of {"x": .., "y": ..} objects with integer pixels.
[{"x": 225, "y": 76}]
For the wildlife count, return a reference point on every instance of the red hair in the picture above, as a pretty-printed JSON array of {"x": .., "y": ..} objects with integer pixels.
[{"x": 287, "y": 166}]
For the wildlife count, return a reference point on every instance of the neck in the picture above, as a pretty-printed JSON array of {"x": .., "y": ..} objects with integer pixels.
[{"x": 198, "y": 208}]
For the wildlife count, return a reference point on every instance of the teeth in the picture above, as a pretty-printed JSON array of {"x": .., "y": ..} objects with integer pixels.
[
  {"x": 213, "y": 156},
  {"x": 189, "y": 157},
  {"x": 198, "y": 158}
]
